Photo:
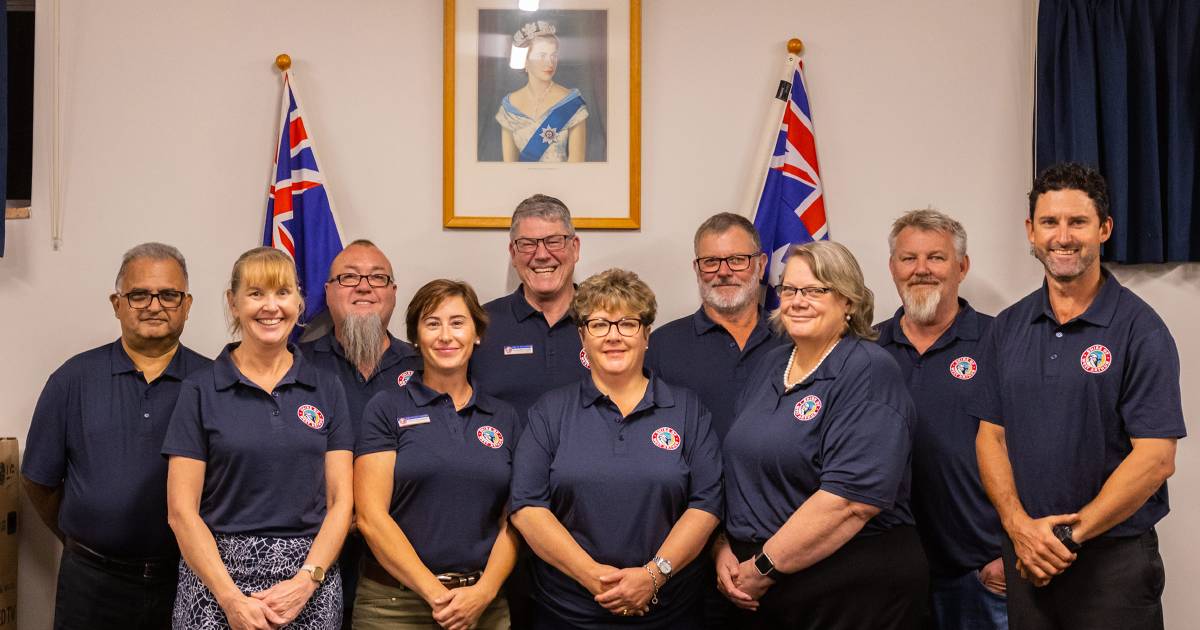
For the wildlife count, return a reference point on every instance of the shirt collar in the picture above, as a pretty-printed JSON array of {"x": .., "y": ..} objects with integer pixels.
[
  {"x": 830, "y": 368},
  {"x": 657, "y": 393},
  {"x": 122, "y": 364},
  {"x": 965, "y": 326},
  {"x": 1099, "y": 313},
  {"x": 523, "y": 310},
  {"x": 423, "y": 396},
  {"x": 227, "y": 374}
]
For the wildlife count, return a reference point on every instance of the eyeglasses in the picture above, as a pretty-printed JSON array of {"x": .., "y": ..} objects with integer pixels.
[
  {"x": 553, "y": 243},
  {"x": 376, "y": 280},
  {"x": 787, "y": 292},
  {"x": 140, "y": 300},
  {"x": 712, "y": 264},
  {"x": 626, "y": 327}
]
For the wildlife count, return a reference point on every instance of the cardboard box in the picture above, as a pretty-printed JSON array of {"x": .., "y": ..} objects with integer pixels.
[{"x": 10, "y": 505}]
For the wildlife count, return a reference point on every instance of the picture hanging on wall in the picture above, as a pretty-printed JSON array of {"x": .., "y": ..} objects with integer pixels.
[{"x": 542, "y": 97}]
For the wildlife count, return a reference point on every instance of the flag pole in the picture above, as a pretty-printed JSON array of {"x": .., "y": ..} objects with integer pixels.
[{"x": 770, "y": 134}]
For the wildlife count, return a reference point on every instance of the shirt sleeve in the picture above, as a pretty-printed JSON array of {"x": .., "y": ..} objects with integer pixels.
[
  {"x": 531, "y": 463},
  {"x": 341, "y": 425},
  {"x": 185, "y": 432},
  {"x": 376, "y": 434},
  {"x": 865, "y": 454},
  {"x": 45, "y": 461},
  {"x": 1150, "y": 403},
  {"x": 984, "y": 400},
  {"x": 703, "y": 456}
]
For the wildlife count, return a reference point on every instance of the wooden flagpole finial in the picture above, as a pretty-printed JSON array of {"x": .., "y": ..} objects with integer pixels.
[
  {"x": 795, "y": 46},
  {"x": 283, "y": 62}
]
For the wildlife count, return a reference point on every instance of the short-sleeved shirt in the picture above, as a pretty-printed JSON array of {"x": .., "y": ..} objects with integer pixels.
[
  {"x": 846, "y": 429},
  {"x": 398, "y": 363},
  {"x": 618, "y": 485},
  {"x": 96, "y": 431},
  {"x": 699, "y": 354},
  {"x": 1070, "y": 397},
  {"x": 452, "y": 473},
  {"x": 522, "y": 356},
  {"x": 264, "y": 451},
  {"x": 958, "y": 524}
]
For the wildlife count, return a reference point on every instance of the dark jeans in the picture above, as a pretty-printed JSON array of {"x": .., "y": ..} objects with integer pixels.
[
  {"x": 963, "y": 603},
  {"x": 98, "y": 598},
  {"x": 1114, "y": 583},
  {"x": 878, "y": 582}
]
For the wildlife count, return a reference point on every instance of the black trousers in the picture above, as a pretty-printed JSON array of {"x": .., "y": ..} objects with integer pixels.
[
  {"x": 1114, "y": 583},
  {"x": 878, "y": 582},
  {"x": 96, "y": 597}
]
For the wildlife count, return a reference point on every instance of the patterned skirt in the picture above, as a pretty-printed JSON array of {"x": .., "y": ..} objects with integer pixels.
[{"x": 256, "y": 563}]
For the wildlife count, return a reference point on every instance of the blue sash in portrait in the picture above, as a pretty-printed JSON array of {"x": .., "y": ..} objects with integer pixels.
[{"x": 551, "y": 126}]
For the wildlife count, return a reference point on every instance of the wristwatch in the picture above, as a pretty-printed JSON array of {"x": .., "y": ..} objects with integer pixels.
[
  {"x": 314, "y": 571},
  {"x": 764, "y": 564},
  {"x": 664, "y": 566},
  {"x": 1067, "y": 537}
]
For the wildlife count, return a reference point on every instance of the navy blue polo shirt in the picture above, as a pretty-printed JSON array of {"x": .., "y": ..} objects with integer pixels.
[
  {"x": 699, "y": 354},
  {"x": 96, "y": 430},
  {"x": 846, "y": 429},
  {"x": 264, "y": 451},
  {"x": 1070, "y": 396},
  {"x": 398, "y": 363},
  {"x": 958, "y": 524},
  {"x": 618, "y": 485},
  {"x": 522, "y": 356},
  {"x": 453, "y": 468}
]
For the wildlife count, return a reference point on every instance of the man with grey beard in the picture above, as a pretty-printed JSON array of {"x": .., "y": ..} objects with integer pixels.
[
  {"x": 934, "y": 338},
  {"x": 361, "y": 294}
]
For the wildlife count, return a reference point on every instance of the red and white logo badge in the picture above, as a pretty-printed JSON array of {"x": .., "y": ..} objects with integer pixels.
[
  {"x": 584, "y": 360},
  {"x": 404, "y": 377},
  {"x": 963, "y": 368},
  {"x": 311, "y": 416},
  {"x": 490, "y": 436},
  {"x": 1096, "y": 359},
  {"x": 666, "y": 438},
  {"x": 807, "y": 408}
]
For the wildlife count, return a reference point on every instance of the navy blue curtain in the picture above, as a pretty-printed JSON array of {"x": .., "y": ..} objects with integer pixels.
[
  {"x": 3, "y": 111},
  {"x": 1118, "y": 87}
]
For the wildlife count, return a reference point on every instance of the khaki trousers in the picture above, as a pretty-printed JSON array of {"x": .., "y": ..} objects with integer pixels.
[{"x": 380, "y": 607}]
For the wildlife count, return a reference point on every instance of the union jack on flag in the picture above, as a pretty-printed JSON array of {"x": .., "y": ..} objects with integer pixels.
[
  {"x": 791, "y": 209},
  {"x": 300, "y": 220}
]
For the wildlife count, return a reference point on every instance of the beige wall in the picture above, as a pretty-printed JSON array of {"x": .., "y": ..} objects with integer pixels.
[{"x": 169, "y": 127}]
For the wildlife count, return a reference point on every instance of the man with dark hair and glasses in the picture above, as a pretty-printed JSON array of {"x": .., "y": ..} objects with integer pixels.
[
  {"x": 92, "y": 467},
  {"x": 367, "y": 359},
  {"x": 714, "y": 350}
]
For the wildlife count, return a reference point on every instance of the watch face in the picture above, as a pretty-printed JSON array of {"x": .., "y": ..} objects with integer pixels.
[{"x": 663, "y": 565}]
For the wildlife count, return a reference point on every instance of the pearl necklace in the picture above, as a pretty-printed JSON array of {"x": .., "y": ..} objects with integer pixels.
[
  {"x": 537, "y": 104},
  {"x": 787, "y": 370}
]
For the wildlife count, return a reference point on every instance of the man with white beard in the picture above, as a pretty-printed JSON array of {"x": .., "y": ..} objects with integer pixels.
[
  {"x": 367, "y": 359},
  {"x": 714, "y": 350},
  {"x": 934, "y": 338}
]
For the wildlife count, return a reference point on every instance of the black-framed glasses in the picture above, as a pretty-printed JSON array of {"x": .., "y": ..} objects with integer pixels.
[
  {"x": 554, "y": 242},
  {"x": 626, "y": 326},
  {"x": 787, "y": 292},
  {"x": 712, "y": 264},
  {"x": 168, "y": 300},
  {"x": 375, "y": 280}
]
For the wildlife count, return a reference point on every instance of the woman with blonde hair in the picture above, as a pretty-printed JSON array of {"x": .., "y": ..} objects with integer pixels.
[{"x": 259, "y": 476}]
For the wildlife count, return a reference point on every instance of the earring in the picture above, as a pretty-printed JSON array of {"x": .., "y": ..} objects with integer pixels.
[{"x": 847, "y": 316}]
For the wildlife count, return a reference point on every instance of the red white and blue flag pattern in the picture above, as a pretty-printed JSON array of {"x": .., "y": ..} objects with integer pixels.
[
  {"x": 300, "y": 220},
  {"x": 791, "y": 209}
]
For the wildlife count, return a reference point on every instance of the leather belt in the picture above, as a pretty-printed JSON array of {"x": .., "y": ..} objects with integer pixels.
[
  {"x": 375, "y": 572},
  {"x": 138, "y": 567}
]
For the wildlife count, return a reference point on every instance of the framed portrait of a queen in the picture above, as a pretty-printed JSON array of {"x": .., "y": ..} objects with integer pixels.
[{"x": 542, "y": 101}]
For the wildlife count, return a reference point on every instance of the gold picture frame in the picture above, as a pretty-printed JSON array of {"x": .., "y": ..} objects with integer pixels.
[{"x": 479, "y": 188}]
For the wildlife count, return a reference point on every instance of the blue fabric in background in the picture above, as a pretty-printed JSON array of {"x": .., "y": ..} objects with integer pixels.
[
  {"x": 1118, "y": 87},
  {"x": 3, "y": 111}
]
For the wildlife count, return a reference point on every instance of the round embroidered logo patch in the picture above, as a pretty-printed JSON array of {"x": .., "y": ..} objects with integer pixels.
[
  {"x": 584, "y": 360},
  {"x": 963, "y": 368},
  {"x": 807, "y": 408},
  {"x": 666, "y": 438},
  {"x": 1096, "y": 359},
  {"x": 490, "y": 436},
  {"x": 311, "y": 416},
  {"x": 404, "y": 377}
]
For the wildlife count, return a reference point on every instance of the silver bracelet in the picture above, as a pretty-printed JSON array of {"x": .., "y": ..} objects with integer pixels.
[{"x": 654, "y": 581}]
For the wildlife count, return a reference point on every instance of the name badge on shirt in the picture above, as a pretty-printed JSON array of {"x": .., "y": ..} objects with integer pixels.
[
  {"x": 412, "y": 421},
  {"x": 512, "y": 351}
]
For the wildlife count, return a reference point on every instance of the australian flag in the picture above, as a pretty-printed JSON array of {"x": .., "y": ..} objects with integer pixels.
[
  {"x": 792, "y": 208},
  {"x": 300, "y": 220}
]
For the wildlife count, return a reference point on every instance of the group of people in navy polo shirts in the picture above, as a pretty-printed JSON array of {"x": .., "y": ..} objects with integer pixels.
[{"x": 546, "y": 460}]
